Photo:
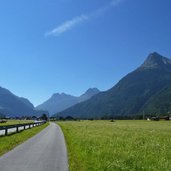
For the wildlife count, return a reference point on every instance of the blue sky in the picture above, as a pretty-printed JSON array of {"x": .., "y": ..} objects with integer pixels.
[{"x": 49, "y": 46}]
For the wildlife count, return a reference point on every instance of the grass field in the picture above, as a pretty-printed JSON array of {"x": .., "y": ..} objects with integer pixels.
[
  {"x": 12, "y": 122},
  {"x": 118, "y": 146},
  {"x": 9, "y": 142}
]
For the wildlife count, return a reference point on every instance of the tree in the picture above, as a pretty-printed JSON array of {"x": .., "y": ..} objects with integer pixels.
[
  {"x": 44, "y": 117},
  {"x": 70, "y": 118}
]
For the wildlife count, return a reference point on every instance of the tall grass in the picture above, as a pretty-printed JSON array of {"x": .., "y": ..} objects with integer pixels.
[
  {"x": 13, "y": 122},
  {"x": 118, "y": 146}
]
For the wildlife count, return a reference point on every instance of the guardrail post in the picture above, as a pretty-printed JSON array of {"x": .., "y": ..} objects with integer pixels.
[
  {"x": 17, "y": 129},
  {"x": 17, "y": 126},
  {"x": 6, "y": 131}
]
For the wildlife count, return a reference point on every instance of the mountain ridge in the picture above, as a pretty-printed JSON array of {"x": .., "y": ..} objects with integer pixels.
[
  {"x": 61, "y": 101},
  {"x": 155, "y": 60},
  {"x": 12, "y": 105},
  {"x": 131, "y": 95}
]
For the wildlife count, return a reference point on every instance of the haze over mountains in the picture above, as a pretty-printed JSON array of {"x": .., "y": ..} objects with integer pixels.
[
  {"x": 59, "y": 102},
  {"x": 12, "y": 105},
  {"x": 147, "y": 90}
]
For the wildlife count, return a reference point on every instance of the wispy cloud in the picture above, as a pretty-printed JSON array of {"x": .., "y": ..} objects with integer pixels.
[
  {"x": 70, "y": 24},
  {"x": 67, "y": 25}
]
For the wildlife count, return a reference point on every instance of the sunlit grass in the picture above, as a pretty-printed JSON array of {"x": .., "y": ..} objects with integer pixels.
[
  {"x": 12, "y": 122},
  {"x": 118, "y": 146},
  {"x": 9, "y": 142}
]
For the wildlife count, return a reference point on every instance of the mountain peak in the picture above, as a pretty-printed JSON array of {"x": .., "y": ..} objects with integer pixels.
[
  {"x": 154, "y": 56},
  {"x": 94, "y": 90},
  {"x": 91, "y": 92},
  {"x": 57, "y": 95},
  {"x": 88, "y": 94},
  {"x": 155, "y": 60},
  {"x": 61, "y": 101}
]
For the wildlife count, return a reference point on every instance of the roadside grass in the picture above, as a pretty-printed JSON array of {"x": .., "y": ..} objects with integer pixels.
[
  {"x": 7, "y": 143},
  {"x": 12, "y": 122},
  {"x": 118, "y": 146}
]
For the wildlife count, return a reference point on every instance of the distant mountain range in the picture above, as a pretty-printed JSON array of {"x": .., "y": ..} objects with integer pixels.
[
  {"x": 12, "y": 105},
  {"x": 147, "y": 90},
  {"x": 59, "y": 102}
]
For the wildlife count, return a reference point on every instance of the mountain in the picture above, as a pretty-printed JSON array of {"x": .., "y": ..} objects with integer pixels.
[
  {"x": 1, "y": 116},
  {"x": 59, "y": 102},
  {"x": 147, "y": 90},
  {"x": 12, "y": 105},
  {"x": 88, "y": 94},
  {"x": 27, "y": 102}
]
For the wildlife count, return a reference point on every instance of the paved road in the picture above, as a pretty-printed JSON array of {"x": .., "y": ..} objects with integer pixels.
[{"x": 44, "y": 152}]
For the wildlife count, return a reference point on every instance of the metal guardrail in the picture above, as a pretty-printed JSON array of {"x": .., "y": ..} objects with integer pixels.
[{"x": 17, "y": 126}]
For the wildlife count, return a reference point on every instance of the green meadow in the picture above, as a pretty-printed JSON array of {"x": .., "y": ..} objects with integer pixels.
[
  {"x": 7, "y": 143},
  {"x": 118, "y": 146},
  {"x": 13, "y": 122}
]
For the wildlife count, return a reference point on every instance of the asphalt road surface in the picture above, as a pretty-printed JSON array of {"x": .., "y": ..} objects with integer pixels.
[{"x": 44, "y": 152}]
